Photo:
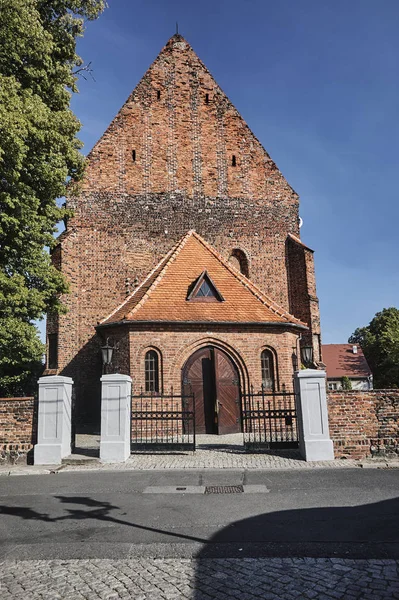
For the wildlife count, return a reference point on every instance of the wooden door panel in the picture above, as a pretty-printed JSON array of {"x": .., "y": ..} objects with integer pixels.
[
  {"x": 228, "y": 394},
  {"x": 210, "y": 374},
  {"x": 199, "y": 374}
]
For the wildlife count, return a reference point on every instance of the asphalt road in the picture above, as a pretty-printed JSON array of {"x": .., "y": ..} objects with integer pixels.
[{"x": 344, "y": 513}]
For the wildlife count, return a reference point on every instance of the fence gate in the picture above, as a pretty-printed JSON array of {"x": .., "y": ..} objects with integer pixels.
[
  {"x": 73, "y": 420},
  {"x": 269, "y": 420},
  {"x": 163, "y": 422}
]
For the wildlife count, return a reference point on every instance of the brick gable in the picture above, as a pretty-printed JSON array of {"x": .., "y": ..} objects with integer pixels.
[{"x": 179, "y": 131}]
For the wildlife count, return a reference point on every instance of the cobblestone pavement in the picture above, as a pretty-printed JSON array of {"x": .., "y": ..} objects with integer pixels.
[
  {"x": 213, "y": 452},
  {"x": 210, "y": 459},
  {"x": 200, "y": 579},
  {"x": 233, "y": 459}
]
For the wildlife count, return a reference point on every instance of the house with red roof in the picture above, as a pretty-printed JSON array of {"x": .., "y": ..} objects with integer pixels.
[{"x": 346, "y": 360}]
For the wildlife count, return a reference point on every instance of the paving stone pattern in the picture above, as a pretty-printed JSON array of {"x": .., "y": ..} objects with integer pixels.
[
  {"x": 200, "y": 579},
  {"x": 213, "y": 452},
  {"x": 213, "y": 459}
]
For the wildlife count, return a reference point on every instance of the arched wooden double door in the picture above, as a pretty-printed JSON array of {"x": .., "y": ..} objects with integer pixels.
[{"x": 214, "y": 380}]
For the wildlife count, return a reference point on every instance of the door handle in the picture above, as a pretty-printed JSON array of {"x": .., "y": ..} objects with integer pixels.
[{"x": 218, "y": 405}]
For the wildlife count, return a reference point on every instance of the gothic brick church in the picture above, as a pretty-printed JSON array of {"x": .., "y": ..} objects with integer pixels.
[{"x": 183, "y": 252}]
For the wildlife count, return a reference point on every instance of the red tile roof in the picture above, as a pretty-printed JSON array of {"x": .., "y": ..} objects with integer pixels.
[
  {"x": 341, "y": 361},
  {"x": 162, "y": 296}
]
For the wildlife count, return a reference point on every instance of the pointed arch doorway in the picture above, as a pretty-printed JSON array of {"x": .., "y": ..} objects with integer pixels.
[{"x": 213, "y": 378}]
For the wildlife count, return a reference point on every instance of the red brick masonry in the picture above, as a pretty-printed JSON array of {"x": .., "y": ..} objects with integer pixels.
[
  {"x": 17, "y": 428},
  {"x": 364, "y": 423}
]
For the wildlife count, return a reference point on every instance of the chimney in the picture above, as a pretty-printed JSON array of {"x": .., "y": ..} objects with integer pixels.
[{"x": 354, "y": 349}]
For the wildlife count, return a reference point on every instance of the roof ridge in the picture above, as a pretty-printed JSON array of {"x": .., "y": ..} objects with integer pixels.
[
  {"x": 253, "y": 288},
  {"x": 155, "y": 277},
  {"x": 169, "y": 258},
  {"x": 165, "y": 259}
]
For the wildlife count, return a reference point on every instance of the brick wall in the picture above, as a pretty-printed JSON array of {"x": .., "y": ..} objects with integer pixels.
[
  {"x": 18, "y": 428},
  {"x": 303, "y": 301},
  {"x": 176, "y": 345},
  {"x": 364, "y": 423}
]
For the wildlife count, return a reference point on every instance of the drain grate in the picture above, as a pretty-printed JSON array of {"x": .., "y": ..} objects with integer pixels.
[{"x": 224, "y": 489}]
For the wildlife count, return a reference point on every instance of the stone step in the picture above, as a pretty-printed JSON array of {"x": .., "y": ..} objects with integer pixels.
[{"x": 80, "y": 459}]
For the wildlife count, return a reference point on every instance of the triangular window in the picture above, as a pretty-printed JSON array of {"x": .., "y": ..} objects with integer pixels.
[{"x": 203, "y": 289}]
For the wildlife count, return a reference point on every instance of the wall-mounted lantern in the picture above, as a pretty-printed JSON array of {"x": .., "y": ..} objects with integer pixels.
[
  {"x": 294, "y": 360},
  {"x": 106, "y": 352},
  {"x": 307, "y": 355}
]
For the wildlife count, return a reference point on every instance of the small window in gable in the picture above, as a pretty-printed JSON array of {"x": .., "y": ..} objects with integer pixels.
[{"x": 204, "y": 290}]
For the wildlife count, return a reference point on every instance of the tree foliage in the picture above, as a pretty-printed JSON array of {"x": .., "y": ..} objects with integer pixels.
[
  {"x": 346, "y": 383},
  {"x": 39, "y": 151},
  {"x": 380, "y": 344}
]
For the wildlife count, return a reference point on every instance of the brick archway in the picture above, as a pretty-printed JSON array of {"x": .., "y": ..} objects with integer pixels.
[{"x": 213, "y": 377}]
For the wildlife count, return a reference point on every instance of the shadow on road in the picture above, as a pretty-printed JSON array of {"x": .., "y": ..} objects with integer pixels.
[
  {"x": 347, "y": 527},
  {"x": 365, "y": 531},
  {"x": 95, "y": 510},
  {"x": 302, "y": 555}
]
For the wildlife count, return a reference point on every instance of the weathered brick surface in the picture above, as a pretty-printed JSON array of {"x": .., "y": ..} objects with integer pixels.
[
  {"x": 304, "y": 303},
  {"x": 165, "y": 166},
  {"x": 176, "y": 344},
  {"x": 18, "y": 428},
  {"x": 364, "y": 423}
]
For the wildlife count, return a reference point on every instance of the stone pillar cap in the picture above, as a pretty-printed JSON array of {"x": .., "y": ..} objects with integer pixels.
[
  {"x": 116, "y": 377},
  {"x": 310, "y": 373},
  {"x": 55, "y": 379}
]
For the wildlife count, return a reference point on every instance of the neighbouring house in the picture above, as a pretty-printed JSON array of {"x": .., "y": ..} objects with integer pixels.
[
  {"x": 183, "y": 254},
  {"x": 346, "y": 360}
]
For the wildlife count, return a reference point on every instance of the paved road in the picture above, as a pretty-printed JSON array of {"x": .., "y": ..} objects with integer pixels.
[{"x": 311, "y": 534}]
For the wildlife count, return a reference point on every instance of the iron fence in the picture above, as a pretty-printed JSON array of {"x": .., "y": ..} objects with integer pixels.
[
  {"x": 163, "y": 421},
  {"x": 269, "y": 419},
  {"x": 73, "y": 420}
]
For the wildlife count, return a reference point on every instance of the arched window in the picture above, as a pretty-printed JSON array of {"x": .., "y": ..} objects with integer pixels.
[
  {"x": 239, "y": 260},
  {"x": 151, "y": 364},
  {"x": 268, "y": 370}
]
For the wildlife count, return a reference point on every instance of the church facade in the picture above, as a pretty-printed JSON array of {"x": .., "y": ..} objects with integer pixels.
[{"x": 183, "y": 252}]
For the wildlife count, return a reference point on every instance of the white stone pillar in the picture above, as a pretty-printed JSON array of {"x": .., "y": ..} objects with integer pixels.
[
  {"x": 115, "y": 417},
  {"x": 311, "y": 402},
  {"x": 54, "y": 424}
]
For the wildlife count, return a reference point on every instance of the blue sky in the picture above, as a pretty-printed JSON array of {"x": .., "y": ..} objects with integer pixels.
[{"x": 317, "y": 82}]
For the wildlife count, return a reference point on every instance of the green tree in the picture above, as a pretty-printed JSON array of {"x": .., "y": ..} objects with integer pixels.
[
  {"x": 380, "y": 344},
  {"x": 39, "y": 151},
  {"x": 346, "y": 383}
]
